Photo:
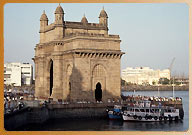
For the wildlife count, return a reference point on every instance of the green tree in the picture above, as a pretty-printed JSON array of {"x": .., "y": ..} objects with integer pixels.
[
  {"x": 164, "y": 81},
  {"x": 153, "y": 82},
  {"x": 176, "y": 82},
  {"x": 123, "y": 82}
]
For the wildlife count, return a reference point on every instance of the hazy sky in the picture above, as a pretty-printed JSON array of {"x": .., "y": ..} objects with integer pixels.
[{"x": 152, "y": 34}]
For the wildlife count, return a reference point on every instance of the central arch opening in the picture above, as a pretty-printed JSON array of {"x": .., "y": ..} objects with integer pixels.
[
  {"x": 51, "y": 78},
  {"x": 99, "y": 77},
  {"x": 98, "y": 92},
  {"x": 70, "y": 86}
]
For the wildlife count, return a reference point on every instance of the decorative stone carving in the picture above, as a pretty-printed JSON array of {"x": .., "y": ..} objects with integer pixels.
[{"x": 83, "y": 56}]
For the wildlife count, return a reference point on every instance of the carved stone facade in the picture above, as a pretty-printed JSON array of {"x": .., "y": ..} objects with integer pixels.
[{"x": 73, "y": 57}]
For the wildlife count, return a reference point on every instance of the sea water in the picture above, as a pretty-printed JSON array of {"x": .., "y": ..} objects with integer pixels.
[{"x": 116, "y": 125}]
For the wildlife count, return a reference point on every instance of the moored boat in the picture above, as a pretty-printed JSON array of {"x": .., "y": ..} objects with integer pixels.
[
  {"x": 144, "y": 108},
  {"x": 115, "y": 113},
  {"x": 151, "y": 114}
]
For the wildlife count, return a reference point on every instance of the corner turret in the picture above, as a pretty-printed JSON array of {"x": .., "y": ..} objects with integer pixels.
[
  {"x": 103, "y": 18},
  {"x": 84, "y": 20},
  {"x": 43, "y": 21},
  {"x": 59, "y": 15}
]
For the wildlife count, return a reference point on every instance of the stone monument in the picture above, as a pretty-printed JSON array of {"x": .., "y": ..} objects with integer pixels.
[{"x": 77, "y": 61}]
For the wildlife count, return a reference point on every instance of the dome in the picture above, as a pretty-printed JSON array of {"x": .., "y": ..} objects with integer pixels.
[
  {"x": 84, "y": 19},
  {"x": 103, "y": 13},
  {"x": 59, "y": 10},
  {"x": 44, "y": 17}
]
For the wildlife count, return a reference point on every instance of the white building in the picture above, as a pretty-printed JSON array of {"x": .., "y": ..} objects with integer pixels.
[
  {"x": 144, "y": 75},
  {"x": 18, "y": 74}
]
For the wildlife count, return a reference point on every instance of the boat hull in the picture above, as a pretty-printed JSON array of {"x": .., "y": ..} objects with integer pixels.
[
  {"x": 113, "y": 117},
  {"x": 143, "y": 119}
]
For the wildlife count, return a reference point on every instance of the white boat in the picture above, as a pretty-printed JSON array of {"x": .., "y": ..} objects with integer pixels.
[{"x": 150, "y": 114}]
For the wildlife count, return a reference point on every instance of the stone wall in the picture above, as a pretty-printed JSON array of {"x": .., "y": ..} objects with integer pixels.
[
  {"x": 15, "y": 120},
  {"x": 78, "y": 113},
  {"x": 40, "y": 115},
  {"x": 25, "y": 116}
]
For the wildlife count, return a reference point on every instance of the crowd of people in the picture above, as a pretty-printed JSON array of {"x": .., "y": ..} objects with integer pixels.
[
  {"x": 14, "y": 99},
  {"x": 153, "y": 101},
  {"x": 12, "y": 103}
]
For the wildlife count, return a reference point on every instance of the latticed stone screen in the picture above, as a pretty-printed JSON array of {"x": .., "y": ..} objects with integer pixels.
[{"x": 99, "y": 71}]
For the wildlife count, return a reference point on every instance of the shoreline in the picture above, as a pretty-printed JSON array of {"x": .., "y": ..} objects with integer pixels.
[
  {"x": 151, "y": 90},
  {"x": 154, "y": 88}
]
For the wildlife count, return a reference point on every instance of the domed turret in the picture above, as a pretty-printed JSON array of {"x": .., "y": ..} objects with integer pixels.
[
  {"x": 59, "y": 15},
  {"x": 84, "y": 20},
  {"x": 44, "y": 17},
  {"x": 59, "y": 10},
  {"x": 43, "y": 20},
  {"x": 103, "y": 18},
  {"x": 103, "y": 13}
]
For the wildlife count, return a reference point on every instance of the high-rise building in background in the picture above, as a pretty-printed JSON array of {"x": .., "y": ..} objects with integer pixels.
[
  {"x": 144, "y": 75},
  {"x": 18, "y": 74}
]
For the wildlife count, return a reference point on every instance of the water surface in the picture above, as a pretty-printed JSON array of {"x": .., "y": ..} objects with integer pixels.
[{"x": 115, "y": 125}]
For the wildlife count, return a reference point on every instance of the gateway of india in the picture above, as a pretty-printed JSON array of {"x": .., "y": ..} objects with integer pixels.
[{"x": 77, "y": 61}]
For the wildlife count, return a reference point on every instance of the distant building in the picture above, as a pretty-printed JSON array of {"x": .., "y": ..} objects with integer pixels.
[
  {"x": 144, "y": 75},
  {"x": 181, "y": 81},
  {"x": 18, "y": 74}
]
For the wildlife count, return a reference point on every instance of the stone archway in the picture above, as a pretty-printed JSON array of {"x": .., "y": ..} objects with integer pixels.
[
  {"x": 69, "y": 72},
  {"x": 98, "y": 92},
  {"x": 68, "y": 84},
  {"x": 51, "y": 78},
  {"x": 99, "y": 82}
]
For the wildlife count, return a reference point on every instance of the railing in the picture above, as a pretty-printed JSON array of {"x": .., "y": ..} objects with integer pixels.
[{"x": 90, "y": 35}]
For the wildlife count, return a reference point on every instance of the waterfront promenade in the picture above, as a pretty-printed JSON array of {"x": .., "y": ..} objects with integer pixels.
[
  {"x": 154, "y": 88},
  {"x": 38, "y": 112}
]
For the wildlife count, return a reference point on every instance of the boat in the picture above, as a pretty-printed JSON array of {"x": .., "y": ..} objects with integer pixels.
[
  {"x": 145, "y": 110},
  {"x": 151, "y": 114},
  {"x": 115, "y": 113}
]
